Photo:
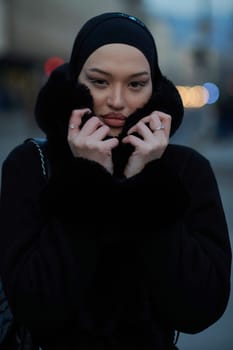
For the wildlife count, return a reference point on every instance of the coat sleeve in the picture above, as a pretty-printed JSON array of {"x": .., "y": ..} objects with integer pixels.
[
  {"x": 188, "y": 259},
  {"x": 46, "y": 267}
]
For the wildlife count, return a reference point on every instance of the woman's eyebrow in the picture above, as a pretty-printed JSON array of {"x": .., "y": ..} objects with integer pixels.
[
  {"x": 97, "y": 70},
  {"x": 138, "y": 74}
]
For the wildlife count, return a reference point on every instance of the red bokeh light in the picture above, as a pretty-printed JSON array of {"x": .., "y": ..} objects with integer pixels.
[{"x": 51, "y": 63}]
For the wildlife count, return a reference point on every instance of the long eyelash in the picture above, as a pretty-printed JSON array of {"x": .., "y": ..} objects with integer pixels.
[
  {"x": 139, "y": 83},
  {"x": 96, "y": 80}
]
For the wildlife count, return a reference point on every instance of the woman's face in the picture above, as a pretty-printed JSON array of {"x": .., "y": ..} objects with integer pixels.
[{"x": 119, "y": 79}]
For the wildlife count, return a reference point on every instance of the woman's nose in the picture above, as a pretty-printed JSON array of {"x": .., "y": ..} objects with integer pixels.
[{"x": 116, "y": 98}]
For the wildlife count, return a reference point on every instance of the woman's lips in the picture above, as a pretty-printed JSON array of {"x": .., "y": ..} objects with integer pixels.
[{"x": 114, "y": 119}]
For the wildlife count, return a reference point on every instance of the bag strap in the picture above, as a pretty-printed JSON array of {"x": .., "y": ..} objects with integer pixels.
[
  {"x": 175, "y": 340},
  {"x": 41, "y": 145}
]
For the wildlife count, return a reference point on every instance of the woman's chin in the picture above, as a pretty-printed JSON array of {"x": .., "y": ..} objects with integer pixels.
[{"x": 114, "y": 132}]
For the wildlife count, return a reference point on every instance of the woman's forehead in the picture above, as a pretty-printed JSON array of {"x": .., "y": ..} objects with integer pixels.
[{"x": 111, "y": 54}]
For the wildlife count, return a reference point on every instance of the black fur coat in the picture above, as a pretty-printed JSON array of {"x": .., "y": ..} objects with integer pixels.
[{"x": 95, "y": 261}]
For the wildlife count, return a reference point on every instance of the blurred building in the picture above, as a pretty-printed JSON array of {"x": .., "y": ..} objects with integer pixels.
[{"x": 33, "y": 31}]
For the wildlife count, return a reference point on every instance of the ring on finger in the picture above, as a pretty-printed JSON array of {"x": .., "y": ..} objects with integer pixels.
[
  {"x": 73, "y": 126},
  {"x": 161, "y": 127}
]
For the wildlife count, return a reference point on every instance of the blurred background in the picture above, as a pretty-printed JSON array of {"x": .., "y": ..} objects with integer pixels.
[{"x": 195, "y": 44}]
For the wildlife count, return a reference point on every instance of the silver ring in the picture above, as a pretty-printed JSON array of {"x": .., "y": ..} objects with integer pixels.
[
  {"x": 161, "y": 127},
  {"x": 73, "y": 126}
]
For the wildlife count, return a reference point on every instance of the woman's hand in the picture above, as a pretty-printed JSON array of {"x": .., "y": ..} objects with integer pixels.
[
  {"x": 154, "y": 130},
  {"x": 88, "y": 142}
]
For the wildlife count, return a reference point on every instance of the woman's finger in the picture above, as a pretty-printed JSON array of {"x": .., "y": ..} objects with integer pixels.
[
  {"x": 76, "y": 119},
  {"x": 160, "y": 122}
]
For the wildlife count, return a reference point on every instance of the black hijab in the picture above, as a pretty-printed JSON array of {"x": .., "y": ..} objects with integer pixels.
[{"x": 109, "y": 28}]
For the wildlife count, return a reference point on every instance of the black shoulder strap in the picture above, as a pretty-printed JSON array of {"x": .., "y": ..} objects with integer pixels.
[{"x": 41, "y": 145}]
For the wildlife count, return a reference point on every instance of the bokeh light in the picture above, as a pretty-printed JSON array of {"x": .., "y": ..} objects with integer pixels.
[
  {"x": 198, "y": 96},
  {"x": 213, "y": 91},
  {"x": 51, "y": 63}
]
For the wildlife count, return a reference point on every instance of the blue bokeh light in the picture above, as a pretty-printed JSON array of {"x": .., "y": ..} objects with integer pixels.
[{"x": 213, "y": 91}]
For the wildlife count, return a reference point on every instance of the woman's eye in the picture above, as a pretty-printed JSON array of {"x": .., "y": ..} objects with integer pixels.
[
  {"x": 137, "y": 84},
  {"x": 98, "y": 82}
]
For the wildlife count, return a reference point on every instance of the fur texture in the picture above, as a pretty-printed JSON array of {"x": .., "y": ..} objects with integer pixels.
[{"x": 60, "y": 95}]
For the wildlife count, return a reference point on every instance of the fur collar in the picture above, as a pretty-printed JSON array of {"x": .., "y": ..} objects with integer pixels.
[{"x": 60, "y": 95}]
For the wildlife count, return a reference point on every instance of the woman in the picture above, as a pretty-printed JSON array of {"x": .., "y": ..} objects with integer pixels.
[{"x": 127, "y": 241}]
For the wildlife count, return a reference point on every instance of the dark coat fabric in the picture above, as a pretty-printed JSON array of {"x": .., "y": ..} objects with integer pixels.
[{"x": 91, "y": 260}]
